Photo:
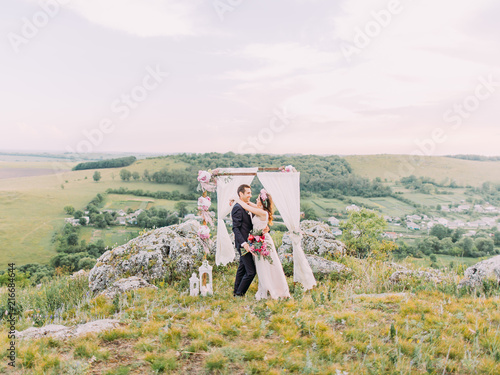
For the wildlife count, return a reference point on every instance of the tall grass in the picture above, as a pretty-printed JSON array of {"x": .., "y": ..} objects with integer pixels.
[{"x": 357, "y": 322}]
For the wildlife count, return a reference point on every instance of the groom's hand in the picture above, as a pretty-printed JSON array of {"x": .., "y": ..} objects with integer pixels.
[{"x": 246, "y": 247}]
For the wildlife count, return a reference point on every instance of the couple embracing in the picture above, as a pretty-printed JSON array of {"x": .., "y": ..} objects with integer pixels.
[{"x": 248, "y": 216}]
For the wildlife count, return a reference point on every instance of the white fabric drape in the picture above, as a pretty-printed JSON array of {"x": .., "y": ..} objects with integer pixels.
[
  {"x": 284, "y": 188},
  {"x": 226, "y": 190}
]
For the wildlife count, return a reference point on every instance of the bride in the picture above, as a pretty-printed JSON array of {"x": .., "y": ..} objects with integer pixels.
[{"x": 271, "y": 277}]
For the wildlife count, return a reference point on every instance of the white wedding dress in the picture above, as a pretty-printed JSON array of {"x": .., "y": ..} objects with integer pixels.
[{"x": 272, "y": 279}]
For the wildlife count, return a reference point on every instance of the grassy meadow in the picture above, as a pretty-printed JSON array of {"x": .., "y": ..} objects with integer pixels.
[
  {"x": 31, "y": 208},
  {"x": 440, "y": 168},
  {"x": 354, "y": 323}
]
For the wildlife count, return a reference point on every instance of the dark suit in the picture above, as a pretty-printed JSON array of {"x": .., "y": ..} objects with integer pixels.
[{"x": 242, "y": 225}]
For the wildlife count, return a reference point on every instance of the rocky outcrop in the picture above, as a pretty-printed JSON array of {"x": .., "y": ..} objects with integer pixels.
[
  {"x": 317, "y": 239},
  {"x": 485, "y": 269},
  {"x": 63, "y": 332},
  {"x": 318, "y": 264},
  {"x": 124, "y": 285},
  {"x": 176, "y": 248},
  {"x": 429, "y": 275}
]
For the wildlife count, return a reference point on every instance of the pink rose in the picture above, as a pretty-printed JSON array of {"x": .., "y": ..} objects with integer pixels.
[
  {"x": 204, "y": 232},
  {"x": 204, "y": 176}
]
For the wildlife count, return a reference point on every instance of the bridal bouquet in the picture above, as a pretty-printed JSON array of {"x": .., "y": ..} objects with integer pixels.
[{"x": 258, "y": 246}]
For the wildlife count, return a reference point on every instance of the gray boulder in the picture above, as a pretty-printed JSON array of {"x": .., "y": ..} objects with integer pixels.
[
  {"x": 318, "y": 264},
  {"x": 63, "y": 332},
  {"x": 317, "y": 239},
  {"x": 485, "y": 269},
  {"x": 124, "y": 285},
  {"x": 176, "y": 248},
  {"x": 428, "y": 275}
]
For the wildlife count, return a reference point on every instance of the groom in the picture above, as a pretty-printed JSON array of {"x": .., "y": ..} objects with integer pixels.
[{"x": 242, "y": 226}]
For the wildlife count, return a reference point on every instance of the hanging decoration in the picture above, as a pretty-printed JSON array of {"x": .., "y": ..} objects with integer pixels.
[{"x": 207, "y": 183}]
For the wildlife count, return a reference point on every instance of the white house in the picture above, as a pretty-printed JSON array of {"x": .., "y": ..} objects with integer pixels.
[
  {"x": 443, "y": 221},
  {"x": 390, "y": 235},
  {"x": 352, "y": 207},
  {"x": 413, "y": 217},
  {"x": 412, "y": 226},
  {"x": 333, "y": 221}
]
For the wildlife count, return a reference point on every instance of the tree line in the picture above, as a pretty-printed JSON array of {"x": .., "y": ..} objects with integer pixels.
[{"x": 108, "y": 163}]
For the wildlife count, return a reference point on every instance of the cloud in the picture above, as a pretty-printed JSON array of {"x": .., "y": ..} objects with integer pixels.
[
  {"x": 142, "y": 18},
  {"x": 422, "y": 59}
]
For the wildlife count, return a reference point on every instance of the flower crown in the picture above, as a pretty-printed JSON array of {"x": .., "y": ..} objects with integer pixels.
[{"x": 263, "y": 198}]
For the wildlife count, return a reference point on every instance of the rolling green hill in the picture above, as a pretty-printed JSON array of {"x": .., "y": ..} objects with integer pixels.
[
  {"x": 31, "y": 207},
  {"x": 440, "y": 168}
]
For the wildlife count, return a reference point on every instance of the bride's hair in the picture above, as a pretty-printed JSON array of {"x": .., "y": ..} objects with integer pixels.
[{"x": 268, "y": 205}]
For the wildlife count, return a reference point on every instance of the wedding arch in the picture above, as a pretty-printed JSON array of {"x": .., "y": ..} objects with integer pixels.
[{"x": 284, "y": 186}]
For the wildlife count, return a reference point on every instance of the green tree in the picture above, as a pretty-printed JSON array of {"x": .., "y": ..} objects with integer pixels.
[
  {"x": 181, "y": 207},
  {"x": 429, "y": 245},
  {"x": 72, "y": 239},
  {"x": 97, "y": 176},
  {"x": 308, "y": 210},
  {"x": 457, "y": 234},
  {"x": 361, "y": 233},
  {"x": 125, "y": 174},
  {"x": 447, "y": 245},
  {"x": 440, "y": 231},
  {"x": 85, "y": 263},
  {"x": 485, "y": 245},
  {"x": 136, "y": 175},
  {"x": 78, "y": 214},
  {"x": 100, "y": 221},
  {"x": 496, "y": 238},
  {"x": 70, "y": 210},
  {"x": 82, "y": 221},
  {"x": 467, "y": 245}
]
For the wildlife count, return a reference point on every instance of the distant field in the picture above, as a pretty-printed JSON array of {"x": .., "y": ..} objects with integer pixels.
[
  {"x": 442, "y": 169},
  {"x": 387, "y": 205},
  {"x": 445, "y": 260},
  {"x": 31, "y": 208},
  {"x": 115, "y": 236}
]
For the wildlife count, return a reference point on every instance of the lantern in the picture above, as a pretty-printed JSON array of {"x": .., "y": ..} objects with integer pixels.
[
  {"x": 194, "y": 285},
  {"x": 206, "y": 279}
]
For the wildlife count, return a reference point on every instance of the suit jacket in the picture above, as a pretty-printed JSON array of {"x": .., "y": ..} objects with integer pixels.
[{"x": 242, "y": 225}]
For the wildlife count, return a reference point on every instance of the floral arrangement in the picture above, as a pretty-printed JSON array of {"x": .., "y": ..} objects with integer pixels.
[
  {"x": 208, "y": 179},
  {"x": 288, "y": 168},
  {"x": 258, "y": 246},
  {"x": 263, "y": 197},
  {"x": 204, "y": 234},
  {"x": 207, "y": 183},
  {"x": 204, "y": 204}
]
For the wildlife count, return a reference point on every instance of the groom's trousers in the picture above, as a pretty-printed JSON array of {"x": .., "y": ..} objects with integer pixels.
[{"x": 244, "y": 275}]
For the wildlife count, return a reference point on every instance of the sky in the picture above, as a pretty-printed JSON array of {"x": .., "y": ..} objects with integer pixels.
[{"x": 283, "y": 76}]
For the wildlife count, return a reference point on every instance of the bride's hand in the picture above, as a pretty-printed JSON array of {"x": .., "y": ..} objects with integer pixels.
[{"x": 231, "y": 202}]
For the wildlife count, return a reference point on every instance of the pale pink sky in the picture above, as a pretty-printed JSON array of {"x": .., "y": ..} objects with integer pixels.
[{"x": 294, "y": 76}]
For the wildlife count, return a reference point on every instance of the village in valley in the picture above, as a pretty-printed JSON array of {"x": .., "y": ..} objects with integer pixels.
[
  {"x": 399, "y": 227},
  {"x": 489, "y": 218}
]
